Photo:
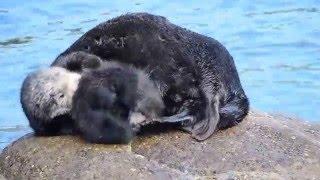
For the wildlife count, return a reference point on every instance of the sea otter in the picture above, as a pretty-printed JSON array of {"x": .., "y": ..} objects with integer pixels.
[
  {"x": 113, "y": 101},
  {"x": 105, "y": 104},
  {"x": 195, "y": 75}
]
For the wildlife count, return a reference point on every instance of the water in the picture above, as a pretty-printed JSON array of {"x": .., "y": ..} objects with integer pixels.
[{"x": 275, "y": 45}]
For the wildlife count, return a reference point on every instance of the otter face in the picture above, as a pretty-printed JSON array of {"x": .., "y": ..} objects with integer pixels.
[{"x": 47, "y": 94}]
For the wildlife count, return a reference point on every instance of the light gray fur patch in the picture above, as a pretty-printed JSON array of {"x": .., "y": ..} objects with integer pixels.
[
  {"x": 150, "y": 100},
  {"x": 48, "y": 93},
  {"x": 136, "y": 118}
]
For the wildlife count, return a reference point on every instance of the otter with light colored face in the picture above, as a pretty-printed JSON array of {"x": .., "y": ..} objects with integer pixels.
[
  {"x": 46, "y": 98},
  {"x": 104, "y": 105}
]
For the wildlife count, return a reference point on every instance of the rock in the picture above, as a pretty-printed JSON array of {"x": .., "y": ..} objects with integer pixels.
[
  {"x": 70, "y": 157},
  {"x": 262, "y": 146},
  {"x": 1, "y": 177}
]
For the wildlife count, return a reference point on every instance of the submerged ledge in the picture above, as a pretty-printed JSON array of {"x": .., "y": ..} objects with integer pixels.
[{"x": 262, "y": 146}]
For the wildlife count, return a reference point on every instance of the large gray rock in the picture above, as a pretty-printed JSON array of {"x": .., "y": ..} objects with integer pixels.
[{"x": 261, "y": 147}]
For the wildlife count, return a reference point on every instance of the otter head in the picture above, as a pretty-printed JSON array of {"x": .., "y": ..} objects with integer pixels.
[{"x": 47, "y": 94}]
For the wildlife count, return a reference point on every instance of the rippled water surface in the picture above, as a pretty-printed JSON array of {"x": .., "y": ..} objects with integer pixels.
[{"x": 275, "y": 45}]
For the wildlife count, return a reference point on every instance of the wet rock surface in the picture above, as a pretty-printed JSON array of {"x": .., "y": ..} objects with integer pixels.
[{"x": 261, "y": 147}]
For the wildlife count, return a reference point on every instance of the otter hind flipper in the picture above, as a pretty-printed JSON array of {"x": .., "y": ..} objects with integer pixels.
[
  {"x": 219, "y": 117},
  {"x": 181, "y": 117},
  {"x": 203, "y": 129},
  {"x": 234, "y": 111}
]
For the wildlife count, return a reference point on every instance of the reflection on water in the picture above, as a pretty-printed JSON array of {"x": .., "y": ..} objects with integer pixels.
[
  {"x": 9, "y": 134},
  {"x": 285, "y": 11},
  {"x": 305, "y": 67},
  {"x": 275, "y": 45},
  {"x": 88, "y": 21},
  {"x": 18, "y": 40},
  {"x": 3, "y": 11},
  {"x": 55, "y": 22},
  {"x": 74, "y": 31},
  {"x": 14, "y": 128}
]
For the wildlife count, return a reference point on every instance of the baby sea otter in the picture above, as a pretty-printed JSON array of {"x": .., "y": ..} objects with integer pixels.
[{"x": 104, "y": 105}]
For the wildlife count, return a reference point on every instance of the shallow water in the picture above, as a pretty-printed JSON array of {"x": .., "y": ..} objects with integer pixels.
[{"x": 274, "y": 43}]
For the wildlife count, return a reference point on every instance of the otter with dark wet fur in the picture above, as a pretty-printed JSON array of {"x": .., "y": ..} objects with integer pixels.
[
  {"x": 113, "y": 101},
  {"x": 194, "y": 73}
]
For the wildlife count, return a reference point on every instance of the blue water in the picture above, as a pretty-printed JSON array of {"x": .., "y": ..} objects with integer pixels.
[{"x": 275, "y": 45}]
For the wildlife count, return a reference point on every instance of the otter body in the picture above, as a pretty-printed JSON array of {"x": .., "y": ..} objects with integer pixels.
[
  {"x": 109, "y": 99},
  {"x": 195, "y": 74},
  {"x": 106, "y": 103}
]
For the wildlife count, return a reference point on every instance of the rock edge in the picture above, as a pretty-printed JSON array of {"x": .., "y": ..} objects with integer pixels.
[{"x": 262, "y": 146}]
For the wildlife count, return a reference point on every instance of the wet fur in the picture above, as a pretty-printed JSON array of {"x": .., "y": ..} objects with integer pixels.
[
  {"x": 105, "y": 99},
  {"x": 96, "y": 102},
  {"x": 193, "y": 72}
]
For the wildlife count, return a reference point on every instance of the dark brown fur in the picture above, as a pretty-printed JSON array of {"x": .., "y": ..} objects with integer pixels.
[{"x": 195, "y": 73}]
